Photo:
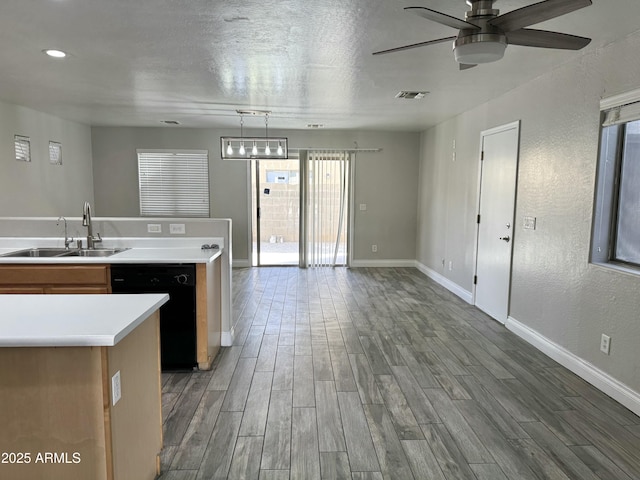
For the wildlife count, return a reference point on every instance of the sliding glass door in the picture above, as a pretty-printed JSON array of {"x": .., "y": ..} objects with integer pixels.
[
  {"x": 276, "y": 206},
  {"x": 326, "y": 213},
  {"x": 301, "y": 209}
]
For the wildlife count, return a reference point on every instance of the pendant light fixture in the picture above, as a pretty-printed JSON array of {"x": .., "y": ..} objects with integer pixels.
[
  {"x": 241, "y": 151},
  {"x": 267, "y": 150},
  {"x": 233, "y": 148}
]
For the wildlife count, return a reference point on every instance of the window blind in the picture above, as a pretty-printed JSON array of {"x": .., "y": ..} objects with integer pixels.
[
  {"x": 621, "y": 114},
  {"x": 173, "y": 183},
  {"x": 22, "y": 148}
]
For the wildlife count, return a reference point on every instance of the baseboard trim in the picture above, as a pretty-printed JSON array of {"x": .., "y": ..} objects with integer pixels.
[
  {"x": 226, "y": 338},
  {"x": 453, "y": 287},
  {"x": 241, "y": 263},
  {"x": 585, "y": 370},
  {"x": 383, "y": 263}
]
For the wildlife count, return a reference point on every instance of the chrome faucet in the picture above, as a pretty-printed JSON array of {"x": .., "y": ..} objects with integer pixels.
[
  {"x": 86, "y": 222},
  {"x": 67, "y": 239}
]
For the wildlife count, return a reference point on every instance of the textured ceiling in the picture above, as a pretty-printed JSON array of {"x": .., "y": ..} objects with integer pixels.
[{"x": 136, "y": 63}]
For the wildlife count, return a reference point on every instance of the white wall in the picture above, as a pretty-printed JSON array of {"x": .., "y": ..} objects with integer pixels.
[
  {"x": 38, "y": 188},
  {"x": 385, "y": 181},
  {"x": 555, "y": 291}
]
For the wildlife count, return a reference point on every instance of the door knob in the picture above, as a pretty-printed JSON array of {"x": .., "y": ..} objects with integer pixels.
[{"x": 506, "y": 239}]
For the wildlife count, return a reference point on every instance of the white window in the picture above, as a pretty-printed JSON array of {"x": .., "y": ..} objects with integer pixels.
[
  {"x": 173, "y": 183},
  {"x": 22, "y": 147},
  {"x": 616, "y": 229}
]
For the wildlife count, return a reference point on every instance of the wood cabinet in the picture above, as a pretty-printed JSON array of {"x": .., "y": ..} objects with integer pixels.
[
  {"x": 96, "y": 279},
  {"x": 208, "y": 313},
  {"x": 54, "y": 279},
  {"x": 60, "y": 400}
]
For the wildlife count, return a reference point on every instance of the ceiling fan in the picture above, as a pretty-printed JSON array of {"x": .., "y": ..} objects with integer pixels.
[{"x": 484, "y": 34}]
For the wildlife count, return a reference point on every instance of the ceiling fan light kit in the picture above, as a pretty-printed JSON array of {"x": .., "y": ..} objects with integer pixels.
[
  {"x": 484, "y": 34},
  {"x": 482, "y": 48}
]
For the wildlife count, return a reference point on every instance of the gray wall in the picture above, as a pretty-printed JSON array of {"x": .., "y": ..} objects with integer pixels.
[
  {"x": 38, "y": 188},
  {"x": 555, "y": 291},
  {"x": 385, "y": 181}
]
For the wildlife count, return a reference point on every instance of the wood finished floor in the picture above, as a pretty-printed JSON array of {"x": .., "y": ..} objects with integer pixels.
[{"x": 380, "y": 373}]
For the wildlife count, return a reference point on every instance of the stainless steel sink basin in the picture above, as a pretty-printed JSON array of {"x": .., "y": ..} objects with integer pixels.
[
  {"x": 61, "y": 252},
  {"x": 39, "y": 252},
  {"x": 97, "y": 252}
]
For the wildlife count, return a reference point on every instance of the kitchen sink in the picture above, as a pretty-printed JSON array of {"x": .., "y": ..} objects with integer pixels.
[
  {"x": 61, "y": 252},
  {"x": 96, "y": 252},
  {"x": 39, "y": 252}
]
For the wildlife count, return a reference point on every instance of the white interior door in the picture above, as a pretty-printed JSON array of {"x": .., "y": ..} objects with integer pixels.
[{"x": 499, "y": 167}]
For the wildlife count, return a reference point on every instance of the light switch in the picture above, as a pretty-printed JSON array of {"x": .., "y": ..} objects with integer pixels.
[{"x": 363, "y": 207}]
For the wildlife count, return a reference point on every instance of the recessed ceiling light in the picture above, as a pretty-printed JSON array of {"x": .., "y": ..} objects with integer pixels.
[{"x": 52, "y": 52}]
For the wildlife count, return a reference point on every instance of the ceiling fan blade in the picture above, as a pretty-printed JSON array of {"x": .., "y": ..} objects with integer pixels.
[
  {"x": 542, "y": 38},
  {"x": 467, "y": 66},
  {"x": 415, "y": 45},
  {"x": 536, "y": 13},
  {"x": 442, "y": 18}
]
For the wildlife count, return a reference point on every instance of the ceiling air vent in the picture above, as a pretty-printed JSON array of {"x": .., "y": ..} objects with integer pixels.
[
  {"x": 411, "y": 95},
  {"x": 315, "y": 125},
  {"x": 170, "y": 122}
]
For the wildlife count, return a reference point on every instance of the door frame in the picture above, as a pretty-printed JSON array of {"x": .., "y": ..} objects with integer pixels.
[
  {"x": 483, "y": 134},
  {"x": 253, "y": 168}
]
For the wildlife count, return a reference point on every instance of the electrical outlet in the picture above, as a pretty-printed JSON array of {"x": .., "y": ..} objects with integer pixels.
[
  {"x": 374, "y": 248},
  {"x": 605, "y": 344},
  {"x": 116, "y": 388},
  {"x": 177, "y": 229},
  {"x": 154, "y": 228},
  {"x": 363, "y": 207},
  {"x": 450, "y": 265}
]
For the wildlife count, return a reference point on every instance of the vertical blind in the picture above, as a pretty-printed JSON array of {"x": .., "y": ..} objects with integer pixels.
[
  {"x": 326, "y": 209},
  {"x": 173, "y": 183}
]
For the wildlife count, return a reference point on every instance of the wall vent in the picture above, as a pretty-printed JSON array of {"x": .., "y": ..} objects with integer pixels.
[{"x": 411, "y": 95}]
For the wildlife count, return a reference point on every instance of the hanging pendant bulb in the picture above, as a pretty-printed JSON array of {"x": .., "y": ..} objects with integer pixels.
[
  {"x": 267, "y": 149},
  {"x": 229, "y": 149},
  {"x": 242, "y": 151},
  {"x": 280, "y": 148},
  {"x": 254, "y": 150}
]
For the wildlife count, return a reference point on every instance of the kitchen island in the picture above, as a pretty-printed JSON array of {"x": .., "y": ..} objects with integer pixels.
[
  {"x": 88, "y": 274},
  {"x": 80, "y": 387}
]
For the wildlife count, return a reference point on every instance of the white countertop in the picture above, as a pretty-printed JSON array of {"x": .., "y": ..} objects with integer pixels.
[
  {"x": 133, "y": 255},
  {"x": 73, "y": 320}
]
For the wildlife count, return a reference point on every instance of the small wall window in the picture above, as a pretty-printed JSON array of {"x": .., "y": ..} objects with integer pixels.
[
  {"x": 22, "y": 147},
  {"x": 616, "y": 226},
  {"x": 173, "y": 183},
  {"x": 55, "y": 153}
]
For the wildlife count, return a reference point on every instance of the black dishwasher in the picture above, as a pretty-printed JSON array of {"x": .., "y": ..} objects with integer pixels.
[{"x": 177, "y": 316}]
